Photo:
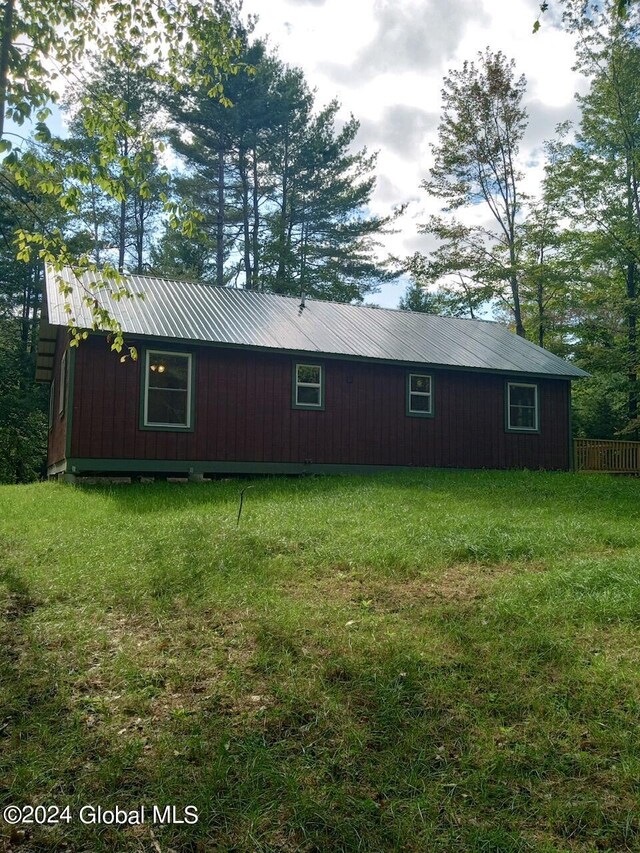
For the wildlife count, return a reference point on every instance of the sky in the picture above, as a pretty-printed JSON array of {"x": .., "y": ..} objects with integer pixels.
[{"x": 385, "y": 60}]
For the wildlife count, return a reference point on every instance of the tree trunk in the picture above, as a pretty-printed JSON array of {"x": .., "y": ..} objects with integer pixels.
[
  {"x": 282, "y": 247},
  {"x": 122, "y": 231},
  {"x": 96, "y": 233},
  {"x": 303, "y": 253},
  {"x": 632, "y": 341},
  {"x": 7, "y": 33},
  {"x": 220, "y": 222},
  {"x": 244, "y": 180},
  {"x": 140, "y": 237},
  {"x": 632, "y": 307},
  {"x": 256, "y": 224},
  {"x": 541, "y": 317},
  {"x": 122, "y": 235},
  {"x": 540, "y": 299},
  {"x": 35, "y": 312},
  {"x": 26, "y": 311},
  {"x": 515, "y": 289}
]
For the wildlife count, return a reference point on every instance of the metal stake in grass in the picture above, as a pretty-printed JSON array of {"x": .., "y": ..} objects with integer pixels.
[{"x": 242, "y": 491}]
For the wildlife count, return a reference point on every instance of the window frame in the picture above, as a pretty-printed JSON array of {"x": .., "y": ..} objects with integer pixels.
[
  {"x": 512, "y": 383},
  {"x": 313, "y": 407},
  {"x": 412, "y": 413},
  {"x": 144, "y": 393}
]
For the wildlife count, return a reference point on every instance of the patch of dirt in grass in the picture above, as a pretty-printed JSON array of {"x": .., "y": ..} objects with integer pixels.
[
  {"x": 617, "y": 644},
  {"x": 145, "y": 670},
  {"x": 463, "y": 582},
  {"x": 250, "y": 704}
]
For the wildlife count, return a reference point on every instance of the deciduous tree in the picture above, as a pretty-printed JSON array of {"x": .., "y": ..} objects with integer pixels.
[
  {"x": 476, "y": 166},
  {"x": 41, "y": 43}
]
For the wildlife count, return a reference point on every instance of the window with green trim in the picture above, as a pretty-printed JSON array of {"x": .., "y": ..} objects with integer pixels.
[
  {"x": 522, "y": 407},
  {"x": 167, "y": 390},
  {"x": 420, "y": 394},
  {"x": 308, "y": 386}
]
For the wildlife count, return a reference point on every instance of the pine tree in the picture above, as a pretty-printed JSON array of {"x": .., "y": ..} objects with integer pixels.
[{"x": 285, "y": 196}]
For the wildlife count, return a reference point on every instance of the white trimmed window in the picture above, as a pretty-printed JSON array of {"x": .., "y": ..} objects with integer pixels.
[
  {"x": 522, "y": 407},
  {"x": 308, "y": 386},
  {"x": 420, "y": 394},
  {"x": 63, "y": 384},
  {"x": 167, "y": 390}
]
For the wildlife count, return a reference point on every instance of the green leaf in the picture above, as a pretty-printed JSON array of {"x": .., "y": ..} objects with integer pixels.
[{"x": 42, "y": 132}]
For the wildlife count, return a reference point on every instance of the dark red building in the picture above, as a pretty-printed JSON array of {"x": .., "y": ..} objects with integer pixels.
[{"x": 234, "y": 381}]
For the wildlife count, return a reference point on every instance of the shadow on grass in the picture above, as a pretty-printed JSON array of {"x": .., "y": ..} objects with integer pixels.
[
  {"x": 161, "y": 496},
  {"x": 50, "y": 753},
  {"x": 494, "y": 490},
  {"x": 314, "y": 743},
  {"x": 382, "y": 752}
]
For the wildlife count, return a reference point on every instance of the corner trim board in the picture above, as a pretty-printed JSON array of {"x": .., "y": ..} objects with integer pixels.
[{"x": 71, "y": 375}]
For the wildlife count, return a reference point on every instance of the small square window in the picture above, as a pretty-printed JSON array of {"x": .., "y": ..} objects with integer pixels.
[
  {"x": 522, "y": 407},
  {"x": 308, "y": 391},
  {"x": 420, "y": 395}
]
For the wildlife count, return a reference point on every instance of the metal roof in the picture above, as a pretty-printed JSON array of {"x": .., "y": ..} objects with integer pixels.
[{"x": 219, "y": 315}]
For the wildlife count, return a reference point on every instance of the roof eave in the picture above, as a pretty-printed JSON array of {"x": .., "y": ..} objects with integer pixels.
[{"x": 194, "y": 342}]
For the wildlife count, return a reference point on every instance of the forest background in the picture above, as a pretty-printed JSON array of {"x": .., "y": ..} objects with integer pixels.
[{"x": 192, "y": 150}]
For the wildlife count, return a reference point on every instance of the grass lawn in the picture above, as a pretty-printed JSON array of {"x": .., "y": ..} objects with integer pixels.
[{"x": 438, "y": 661}]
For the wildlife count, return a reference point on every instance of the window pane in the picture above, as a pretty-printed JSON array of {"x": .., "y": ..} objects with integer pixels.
[
  {"x": 309, "y": 373},
  {"x": 421, "y": 383},
  {"x": 168, "y": 371},
  {"x": 522, "y": 396},
  {"x": 308, "y": 396},
  {"x": 167, "y": 407},
  {"x": 523, "y": 416},
  {"x": 420, "y": 403}
]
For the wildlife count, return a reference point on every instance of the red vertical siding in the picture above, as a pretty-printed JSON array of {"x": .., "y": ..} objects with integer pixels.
[{"x": 243, "y": 413}]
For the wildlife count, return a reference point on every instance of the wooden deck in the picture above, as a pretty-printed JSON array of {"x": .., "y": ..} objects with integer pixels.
[{"x": 613, "y": 457}]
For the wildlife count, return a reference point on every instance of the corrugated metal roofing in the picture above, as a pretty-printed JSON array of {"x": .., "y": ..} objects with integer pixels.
[{"x": 199, "y": 312}]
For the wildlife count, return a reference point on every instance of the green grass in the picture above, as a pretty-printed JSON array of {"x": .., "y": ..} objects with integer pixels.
[{"x": 440, "y": 661}]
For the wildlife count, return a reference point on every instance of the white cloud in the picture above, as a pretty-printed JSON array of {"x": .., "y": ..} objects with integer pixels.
[
  {"x": 409, "y": 35},
  {"x": 401, "y": 128},
  {"x": 385, "y": 60}
]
